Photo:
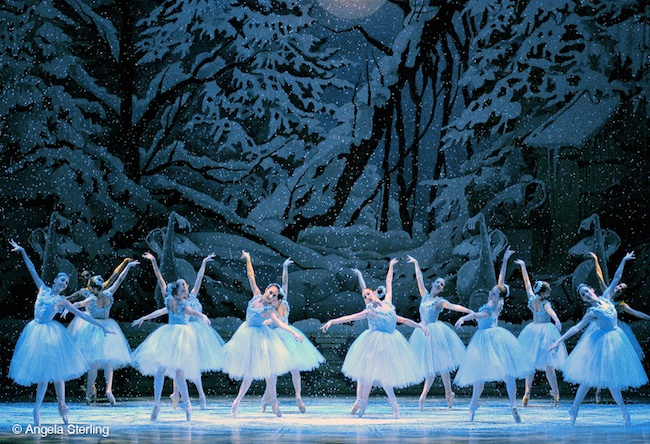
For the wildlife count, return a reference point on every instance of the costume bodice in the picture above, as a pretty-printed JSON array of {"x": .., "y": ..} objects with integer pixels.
[
  {"x": 428, "y": 311},
  {"x": 493, "y": 319},
  {"x": 179, "y": 317},
  {"x": 100, "y": 312},
  {"x": 44, "y": 308},
  {"x": 541, "y": 316},
  {"x": 194, "y": 303},
  {"x": 381, "y": 319},
  {"x": 606, "y": 316},
  {"x": 255, "y": 316},
  {"x": 285, "y": 317}
]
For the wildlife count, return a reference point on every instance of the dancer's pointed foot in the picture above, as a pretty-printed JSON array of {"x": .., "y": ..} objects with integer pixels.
[
  {"x": 234, "y": 408},
  {"x": 556, "y": 398},
  {"x": 202, "y": 402},
  {"x": 265, "y": 401},
  {"x": 395, "y": 407},
  {"x": 626, "y": 419},
  {"x": 524, "y": 400},
  {"x": 597, "y": 396},
  {"x": 111, "y": 398},
  {"x": 63, "y": 411},
  {"x": 275, "y": 406},
  {"x": 155, "y": 412},
  {"x": 362, "y": 408},
  {"x": 301, "y": 405},
  {"x": 449, "y": 397},
  {"x": 91, "y": 394},
  {"x": 422, "y": 402},
  {"x": 355, "y": 407},
  {"x": 176, "y": 398},
  {"x": 188, "y": 410},
  {"x": 472, "y": 411},
  {"x": 515, "y": 415},
  {"x": 573, "y": 412},
  {"x": 37, "y": 416}
]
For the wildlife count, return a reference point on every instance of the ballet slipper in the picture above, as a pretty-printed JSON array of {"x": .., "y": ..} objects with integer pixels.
[
  {"x": 176, "y": 398},
  {"x": 301, "y": 405},
  {"x": 395, "y": 408},
  {"x": 450, "y": 399},
  {"x": 626, "y": 419},
  {"x": 234, "y": 408},
  {"x": 111, "y": 398},
  {"x": 63, "y": 411},
  {"x": 275, "y": 406},
  {"x": 573, "y": 412},
  {"x": 472, "y": 411},
  {"x": 202, "y": 402},
  {"x": 556, "y": 397},
  {"x": 37, "y": 416},
  {"x": 515, "y": 415},
  {"x": 524, "y": 400},
  {"x": 362, "y": 408},
  {"x": 188, "y": 410},
  {"x": 91, "y": 394},
  {"x": 355, "y": 407},
  {"x": 422, "y": 401},
  {"x": 597, "y": 396},
  {"x": 265, "y": 401},
  {"x": 155, "y": 412}
]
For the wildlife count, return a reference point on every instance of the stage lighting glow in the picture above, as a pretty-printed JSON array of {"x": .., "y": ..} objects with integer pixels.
[{"x": 351, "y": 9}]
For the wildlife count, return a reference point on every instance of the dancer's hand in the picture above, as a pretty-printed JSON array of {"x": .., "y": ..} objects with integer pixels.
[
  {"x": 326, "y": 326},
  {"x": 297, "y": 337},
  {"x": 287, "y": 262},
  {"x": 133, "y": 263},
  {"x": 412, "y": 260},
  {"x": 629, "y": 256},
  {"x": 137, "y": 322},
  {"x": 209, "y": 258},
  {"x": 509, "y": 252},
  {"x": 15, "y": 246},
  {"x": 424, "y": 330},
  {"x": 206, "y": 320},
  {"x": 245, "y": 255},
  {"x": 519, "y": 262},
  {"x": 149, "y": 256},
  {"x": 554, "y": 345},
  {"x": 459, "y": 322},
  {"x": 107, "y": 331}
]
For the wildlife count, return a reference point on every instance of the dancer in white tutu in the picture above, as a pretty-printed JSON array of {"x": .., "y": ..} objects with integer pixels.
[
  {"x": 493, "y": 354},
  {"x": 171, "y": 350},
  {"x": 604, "y": 359},
  {"x": 101, "y": 351},
  {"x": 537, "y": 336},
  {"x": 442, "y": 351},
  {"x": 210, "y": 342},
  {"x": 306, "y": 356},
  {"x": 45, "y": 351},
  {"x": 255, "y": 351},
  {"x": 381, "y": 355}
]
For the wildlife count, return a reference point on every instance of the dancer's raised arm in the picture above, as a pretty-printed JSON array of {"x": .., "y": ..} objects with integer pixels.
[
  {"x": 159, "y": 277},
  {"x": 343, "y": 319},
  {"x": 153, "y": 315},
  {"x": 28, "y": 262},
  {"x": 116, "y": 272},
  {"x": 504, "y": 266},
  {"x": 362, "y": 283},
  {"x": 285, "y": 277},
  {"x": 602, "y": 283},
  {"x": 418, "y": 275},
  {"x": 526, "y": 278},
  {"x": 250, "y": 273},
  {"x": 389, "y": 281},
  {"x": 199, "y": 275},
  {"x": 118, "y": 281},
  {"x": 609, "y": 292}
]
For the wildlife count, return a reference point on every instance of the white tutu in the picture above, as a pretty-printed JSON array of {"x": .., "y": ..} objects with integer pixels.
[
  {"x": 604, "y": 359},
  {"x": 45, "y": 352},
  {"x": 492, "y": 355},
  {"x": 633, "y": 340},
  {"x": 210, "y": 346},
  {"x": 536, "y": 338},
  {"x": 172, "y": 346},
  {"x": 304, "y": 354},
  {"x": 382, "y": 358},
  {"x": 255, "y": 352},
  {"x": 99, "y": 348},
  {"x": 441, "y": 352}
]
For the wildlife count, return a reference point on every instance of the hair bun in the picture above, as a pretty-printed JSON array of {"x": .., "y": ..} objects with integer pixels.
[{"x": 381, "y": 292}]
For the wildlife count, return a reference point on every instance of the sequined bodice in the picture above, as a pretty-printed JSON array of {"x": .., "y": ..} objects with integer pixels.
[
  {"x": 492, "y": 320},
  {"x": 382, "y": 320},
  {"x": 101, "y": 312},
  {"x": 541, "y": 316},
  {"x": 194, "y": 303},
  {"x": 606, "y": 316},
  {"x": 428, "y": 311},
  {"x": 179, "y": 317},
  {"x": 44, "y": 309},
  {"x": 255, "y": 316}
]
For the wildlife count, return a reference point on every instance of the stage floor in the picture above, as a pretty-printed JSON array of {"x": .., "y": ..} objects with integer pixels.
[{"x": 327, "y": 421}]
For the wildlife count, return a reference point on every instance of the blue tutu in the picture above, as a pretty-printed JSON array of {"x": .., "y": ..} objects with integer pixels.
[
  {"x": 98, "y": 348},
  {"x": 440, "y": 352},
  {"x": 304, "y": 354},
  {"x": 536, "y": 338},
  {"x": 210, "y": 346}
]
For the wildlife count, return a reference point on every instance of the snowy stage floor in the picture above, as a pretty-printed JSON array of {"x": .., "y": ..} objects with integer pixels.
[{"x": 327, "y": 420}]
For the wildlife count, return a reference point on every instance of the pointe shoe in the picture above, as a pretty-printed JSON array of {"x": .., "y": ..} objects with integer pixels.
[
  {"x": 265, "y": 401},
  {"x": 63, "y": 411},
  {"x": 472, "y": 411},
  {"x": 597, "y": 396},
  {"x": 176, "y": 398},
  {"x": 395, "y": 407},
  {"x": 556, "y": 398},
  {"x": 515, "y": 415},
  {"x": 203, "y": 403},
  {"x": 234, "y": 408},
  {"x": 155, "y": 412},
  {"x": 91, "y": 394},
  {"x": 574, "y": 414},
  {"x": 37, "y": 417},
  {"x": 188, "y": 410},
  {"x": 301, "y": 405},
  {"x": 626, "y": 419},
  {"x": 355, "y": 407},
  {"x": 450, "y": 399},
  {"x": 275, "y": 406},
  {"x": 362, "y": 408},
  {"x": 524, "y": 400},
  {"x": 111, "y": 399},
  {"x": 421, "y": 402}
]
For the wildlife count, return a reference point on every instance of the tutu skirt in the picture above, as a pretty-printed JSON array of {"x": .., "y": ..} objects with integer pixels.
[
  {"x": 440, "y": 352},
  {"x": 604, "y": 359},
  {"x": 633, "y": 340},
  {"x": 255, "y": 352},
  {"x": 98, "y": 348},
  {"x": 210, "y": 345},
  {"x": 492, "y": 355},
  {"x": 304, "y": 354},
  {"x": 45, "y": 352},
  {"x": 536, "y": 338},
  {"x": 172, "y": 346},
  {"x": 382, "y": 358}
]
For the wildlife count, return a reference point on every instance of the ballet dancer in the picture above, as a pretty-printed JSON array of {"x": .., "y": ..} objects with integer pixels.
[
  {"x": 537, "y": 336},
  {"x": 209, "y": 341},
  {"x": 107, "y": 352},
  {"x": 45, "y": 351},
  {"x": 493, "y": 353},
  {"x": 380, "y": 355},
  {"x": 306, "y": 356},
  {"x": 171, "y": 350},
  {"x": 442, "y": 351},
  {"x": 605, "y": 358},
  {"x": 256, "y": 351}
]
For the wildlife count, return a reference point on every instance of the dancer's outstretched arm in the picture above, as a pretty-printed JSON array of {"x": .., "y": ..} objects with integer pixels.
[
  {"x": 456, "y": 307},
  {"x": 159, "y": 277},
  {"x": 116, "y": 272},
  {"x": 418, "y": 276},
  {"x": 250, "y": 273},
  {"x": 471, "y": 316},
  {"x": 285, "y": 277},
  {"x": 362, "y": 283},
  {"x": 609, "y": 292},
  {"x": 274, "y": 317},
  {"x": 67, "y": 305},
  {"x": 28, "y": 262},
  {"x": 153, "y": 315},
  {"x": 629, "y": 310},
  {"x": 343, "y": 319},
  {"x": 586, "y": 319},
  {"x": 199, "y": 275},
  {"x": 504, "y": 266},
  {"x": 113, "y": 288},
  {"x": 599, "y": 272},
  {"x": 389, "y": 282},
  {"x": 412, "y": 323},
  {"x": 524, "y": 275}
]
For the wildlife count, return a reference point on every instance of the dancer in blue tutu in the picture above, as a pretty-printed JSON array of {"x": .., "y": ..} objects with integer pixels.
[
  {"x": 101, "y": 351},
  {"x": 45, "y": 351},
  {"x": 173, "y": 349},
  {"x": 210, "y": 342},
  {"x": 306, "y": 356},
  {"x": 442, "y": 351},
  {"x": 493, "y": 353},
  {"x": 537, "y": 336},
  {"x": 603, "y": 359},
  {"x": 256, "y": 351},
  {"x": 381, "y": 355}
]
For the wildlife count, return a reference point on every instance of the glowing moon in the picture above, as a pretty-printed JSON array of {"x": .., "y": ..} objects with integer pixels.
[{"x": 351, "y": 9}]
